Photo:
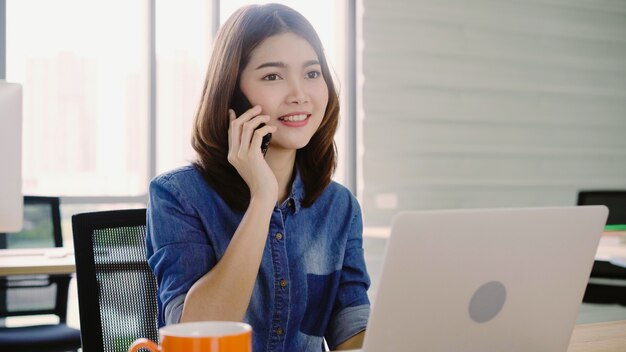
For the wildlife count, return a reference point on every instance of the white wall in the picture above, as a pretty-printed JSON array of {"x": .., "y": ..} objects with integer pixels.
[{"x": 490, "y": 103}]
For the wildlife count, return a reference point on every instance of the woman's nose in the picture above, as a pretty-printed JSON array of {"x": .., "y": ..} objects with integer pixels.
[{"x": 297, "y": 93}]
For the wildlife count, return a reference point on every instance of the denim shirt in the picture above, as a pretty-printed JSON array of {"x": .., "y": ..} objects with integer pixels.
[{"x": 312, "y": 281}]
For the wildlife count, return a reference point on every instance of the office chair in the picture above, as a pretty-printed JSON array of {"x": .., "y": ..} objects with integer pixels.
[
  {"x": 606, "y": 283},
  {"x": 117, "y": 296},
  {"x": 25, "y": 295}
]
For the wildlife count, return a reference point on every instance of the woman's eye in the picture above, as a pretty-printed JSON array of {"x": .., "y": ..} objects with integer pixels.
[
  {"x": 271, "y": 77},
  {"x": 313, "y": 74}
]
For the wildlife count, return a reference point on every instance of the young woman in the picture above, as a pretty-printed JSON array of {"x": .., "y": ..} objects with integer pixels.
[{"x": 265, "y": 238}]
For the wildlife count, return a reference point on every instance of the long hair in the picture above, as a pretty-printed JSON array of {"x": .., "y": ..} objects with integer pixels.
[{"x": 239, "y": 36}]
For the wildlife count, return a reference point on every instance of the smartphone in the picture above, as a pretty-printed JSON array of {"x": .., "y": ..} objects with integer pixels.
[{"x": 240, "y": 104}]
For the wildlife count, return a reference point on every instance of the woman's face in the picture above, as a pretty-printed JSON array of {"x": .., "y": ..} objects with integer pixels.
[{"x": 284, "y": 76}]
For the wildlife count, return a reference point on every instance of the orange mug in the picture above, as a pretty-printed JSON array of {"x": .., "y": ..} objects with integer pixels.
[{"x": 206, "y": 336}]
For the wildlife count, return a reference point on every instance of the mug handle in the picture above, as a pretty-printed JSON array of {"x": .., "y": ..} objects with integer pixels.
[{"x": 143, "y": 343}]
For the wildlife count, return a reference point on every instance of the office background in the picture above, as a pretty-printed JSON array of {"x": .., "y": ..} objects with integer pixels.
[
  {"x": 111, "y": 88},
  {"x": 490, "y": 103},
  {"x": 446, "y": 104}
]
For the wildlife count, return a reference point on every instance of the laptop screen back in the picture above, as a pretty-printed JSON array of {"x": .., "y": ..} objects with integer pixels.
[{"x": 484, "y": 280}]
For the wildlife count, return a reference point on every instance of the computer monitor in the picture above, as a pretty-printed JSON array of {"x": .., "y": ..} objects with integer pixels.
[{"x": 11, "y": 199}]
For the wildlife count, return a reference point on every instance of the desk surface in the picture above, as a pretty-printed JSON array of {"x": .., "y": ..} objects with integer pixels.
[
  {"x": 601, "y": 337},
  {"x": 61, "y": 260},
  {"x": 612, "y": 248},
  {"x": 34, "y": 261}
]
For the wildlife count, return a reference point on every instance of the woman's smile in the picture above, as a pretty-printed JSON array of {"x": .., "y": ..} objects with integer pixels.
[{"x": 294, "y": 119}]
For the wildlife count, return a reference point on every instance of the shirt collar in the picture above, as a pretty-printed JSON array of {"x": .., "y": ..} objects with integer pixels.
[{"x": 297, "y": 193}]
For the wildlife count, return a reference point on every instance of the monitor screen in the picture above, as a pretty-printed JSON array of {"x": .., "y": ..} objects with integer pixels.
[{"x": 11, "y": 200}]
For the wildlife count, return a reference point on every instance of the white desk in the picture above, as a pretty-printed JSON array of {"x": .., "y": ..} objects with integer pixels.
[
  {"x": 34, "y": 261},
  {"x": 61, "y": 260},
  {"x": 601, "y": 337},
  {"x": 612, "y": 248}
]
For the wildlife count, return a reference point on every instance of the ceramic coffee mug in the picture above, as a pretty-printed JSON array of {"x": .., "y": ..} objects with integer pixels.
[{"x": 208, "y": 336}]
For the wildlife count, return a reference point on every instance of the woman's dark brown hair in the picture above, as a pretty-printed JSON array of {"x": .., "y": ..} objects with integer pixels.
[{"x": 236, "y": 40}]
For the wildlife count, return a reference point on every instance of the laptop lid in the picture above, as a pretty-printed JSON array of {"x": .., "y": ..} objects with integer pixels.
[{"x": 484, "y": 280}]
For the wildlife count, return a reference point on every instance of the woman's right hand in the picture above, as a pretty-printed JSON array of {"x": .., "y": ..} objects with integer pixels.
[{"x": 244, "y": 152}]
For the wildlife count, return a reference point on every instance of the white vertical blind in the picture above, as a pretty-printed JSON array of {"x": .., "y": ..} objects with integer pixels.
[{"x": 490, "y": 103}]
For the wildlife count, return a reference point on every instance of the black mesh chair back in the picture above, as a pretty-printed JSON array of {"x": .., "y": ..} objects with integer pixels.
[
  {"x": 27, "y": 295},
  {"x": 614, "y": 200},
  {"x": 116, "y": 288},
  {"x": 607, "y": 284}
]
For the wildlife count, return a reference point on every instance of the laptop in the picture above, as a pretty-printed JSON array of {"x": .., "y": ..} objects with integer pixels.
[{"x": 484, "y": 279}]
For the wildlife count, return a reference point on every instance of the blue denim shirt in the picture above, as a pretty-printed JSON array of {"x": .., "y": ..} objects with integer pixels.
[{"x": 312, "y": 282}]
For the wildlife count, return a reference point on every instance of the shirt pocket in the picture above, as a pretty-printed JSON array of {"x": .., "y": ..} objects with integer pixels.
[{"x": 321, "y": 293}]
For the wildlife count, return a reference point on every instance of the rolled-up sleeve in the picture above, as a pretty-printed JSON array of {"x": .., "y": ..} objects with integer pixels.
[
  {"x": 178, "y": 249},
  {"x": 352, "y": 306}
]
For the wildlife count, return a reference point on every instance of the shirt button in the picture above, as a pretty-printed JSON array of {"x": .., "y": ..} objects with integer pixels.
[
  {"x": 283, "y": 283},
  {"x": 279, "y": 331},
  {"x": 279, "y": 236}
]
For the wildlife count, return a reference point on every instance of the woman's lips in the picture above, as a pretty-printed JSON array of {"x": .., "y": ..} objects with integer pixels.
[{"x": 295, "y": 120}]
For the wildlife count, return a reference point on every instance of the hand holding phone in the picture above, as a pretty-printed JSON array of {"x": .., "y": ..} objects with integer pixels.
[{"x": 240, "y": 104}]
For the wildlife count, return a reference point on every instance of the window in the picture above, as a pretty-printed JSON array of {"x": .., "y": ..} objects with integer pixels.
[
  {"x": 183, "y": 48},
  {"x": 86, "y": 91},
  {"x": 111, "y": 89}
]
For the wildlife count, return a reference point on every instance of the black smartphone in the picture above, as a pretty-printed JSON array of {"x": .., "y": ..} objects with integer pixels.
[{"x": 240, "y": 104}]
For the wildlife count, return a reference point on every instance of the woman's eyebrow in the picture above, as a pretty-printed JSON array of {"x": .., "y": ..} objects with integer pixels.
[
  {"x": 281, "y": 64},
  {"x": 311, "y": 63},
  {"x": 272, "y": 64}
]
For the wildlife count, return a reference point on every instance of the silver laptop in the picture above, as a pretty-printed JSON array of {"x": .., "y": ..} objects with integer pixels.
[{"x": 484, "y": 280}]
